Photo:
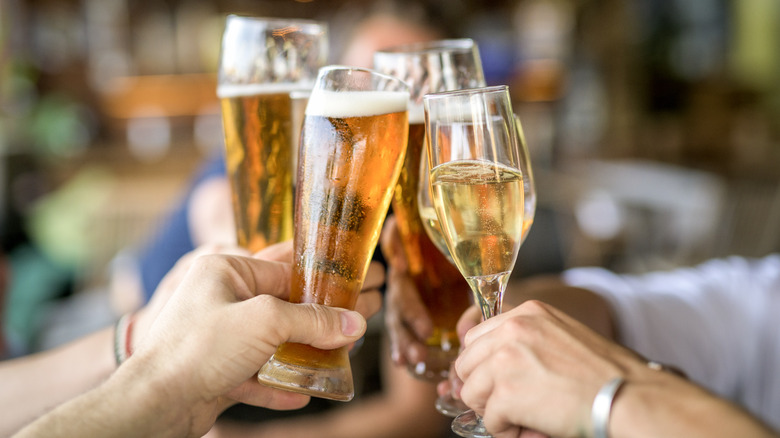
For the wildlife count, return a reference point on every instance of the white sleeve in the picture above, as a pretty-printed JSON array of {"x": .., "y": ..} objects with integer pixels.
[{"x": 719, "y": 322}]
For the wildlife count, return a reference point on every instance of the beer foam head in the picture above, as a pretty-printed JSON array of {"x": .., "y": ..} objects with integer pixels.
[
  {"x": 225, "y": 91},
  {"x": 356, "y": 103}
]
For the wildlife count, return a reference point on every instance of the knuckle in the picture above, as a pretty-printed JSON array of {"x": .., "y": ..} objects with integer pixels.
[
  {"x": 273, "y": 313},
  {"x": 322, "y": 319},
  {"x": 269, "y": 303},
  {"x": 536, "y": 307}
]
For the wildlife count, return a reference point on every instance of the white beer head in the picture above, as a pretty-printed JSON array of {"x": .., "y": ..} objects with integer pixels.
[
  {"x": 355, "y": 103},
  {"x": 355, "y": 92}
]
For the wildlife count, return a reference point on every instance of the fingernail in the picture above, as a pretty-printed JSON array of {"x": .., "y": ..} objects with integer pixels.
[{"x": 351, "y": 323}]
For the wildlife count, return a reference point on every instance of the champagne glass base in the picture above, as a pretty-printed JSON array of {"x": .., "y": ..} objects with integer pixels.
[
  {"x": 450, "y": 406},
  {"x": 329, "y": 383},
  {"x": 469, "y": 425}
]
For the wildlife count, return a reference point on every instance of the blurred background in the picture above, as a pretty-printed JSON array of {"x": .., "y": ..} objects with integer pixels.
[{"x": 653, "y": 126}]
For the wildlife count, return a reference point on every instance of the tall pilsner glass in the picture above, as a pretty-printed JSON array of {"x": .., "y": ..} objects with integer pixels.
[
  {"x": 478, "y": 191},
  {"x": 263, "y": 61},
  {"x": 430, "y": 67},
  {"x": 352, "y": 147}
]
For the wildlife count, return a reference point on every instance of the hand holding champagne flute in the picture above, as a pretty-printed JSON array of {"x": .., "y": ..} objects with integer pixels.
[
  {"x": 478, "y": 193},
  {"x": 352, "y": 147}
]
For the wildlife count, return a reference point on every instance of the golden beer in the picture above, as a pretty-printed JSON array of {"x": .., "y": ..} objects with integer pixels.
[
  {"x": 430, "y": 67},
  {"x": 442, "y": 288},
  {"x": 259, "y": 160},
  {"x": 352, "y": 149}
]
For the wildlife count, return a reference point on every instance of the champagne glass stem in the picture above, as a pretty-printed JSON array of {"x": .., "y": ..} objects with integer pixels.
[{"x": 489, "y": 293}]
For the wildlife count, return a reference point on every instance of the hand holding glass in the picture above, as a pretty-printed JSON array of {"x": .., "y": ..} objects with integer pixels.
[
  {"x": 446, "y": 403},
  {"x": 478, "y": 193},
  {"x": 352, "y": 147}
]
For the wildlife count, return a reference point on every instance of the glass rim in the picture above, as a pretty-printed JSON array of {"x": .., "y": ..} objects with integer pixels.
[
  {"x": 461, "y": 45},
  {"x": 324, "y": 70},
  {"x": 274, "y": 21},
  {"x": 467, "y": 91}
]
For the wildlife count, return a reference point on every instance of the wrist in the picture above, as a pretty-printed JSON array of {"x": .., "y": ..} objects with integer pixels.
[
  {"x": 123, "y": 337},
  {"x": 151, "y": 404},
  {"x": 657, "y": 403},
  {"x": 602, "y": 407},
  {"x": 630, "y": 395}
]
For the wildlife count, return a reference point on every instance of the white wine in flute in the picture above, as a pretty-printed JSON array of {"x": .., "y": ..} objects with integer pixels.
[{"x": 481, "y": 206}]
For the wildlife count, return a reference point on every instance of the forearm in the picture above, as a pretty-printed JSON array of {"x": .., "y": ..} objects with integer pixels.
[
  {"x": 34, "y": 384},
  {"x": 670, "y": 406},
  {"x": 144, "y": 409}
]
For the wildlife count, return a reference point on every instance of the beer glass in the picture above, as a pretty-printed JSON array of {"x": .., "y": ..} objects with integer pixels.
[
  {"x": 263, "y": 61},
  {"x": 478, "y": 192},
  {"x": 353, "y": 144},
  {"x": 430, "y": 67}
]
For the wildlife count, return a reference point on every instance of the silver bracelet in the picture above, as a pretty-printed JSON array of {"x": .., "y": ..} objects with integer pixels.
[{"x": 602, "y": 407}]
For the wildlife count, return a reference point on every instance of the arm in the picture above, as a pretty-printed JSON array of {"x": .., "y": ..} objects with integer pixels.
[
  {"x": 225, "y": 319},
  {"x": 34, "y": 384},
  {"x": 553, "y": 354},
  {"x": 147, "y": 409},
  {"x": 670, "y": 406}
]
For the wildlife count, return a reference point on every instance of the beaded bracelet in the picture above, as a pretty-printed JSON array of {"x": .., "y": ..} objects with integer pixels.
[
  {"x": 123, "y": 337},
  {"x": 602, "y": 406}
]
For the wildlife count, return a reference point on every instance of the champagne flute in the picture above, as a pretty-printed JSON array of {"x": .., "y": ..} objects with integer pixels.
[
  {"x": 447, "y": 404},
  {"x": 478, "y": 193},
  {"x": 529, "y": 184},
  {"x": 428, "y": 211}
]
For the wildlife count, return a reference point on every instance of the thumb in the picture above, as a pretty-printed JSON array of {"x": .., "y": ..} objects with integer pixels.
[{"x": 319, "y": 325}]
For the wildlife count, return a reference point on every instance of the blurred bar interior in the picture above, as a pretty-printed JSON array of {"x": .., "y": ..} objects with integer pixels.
[{"x": 653, "y": 124}]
